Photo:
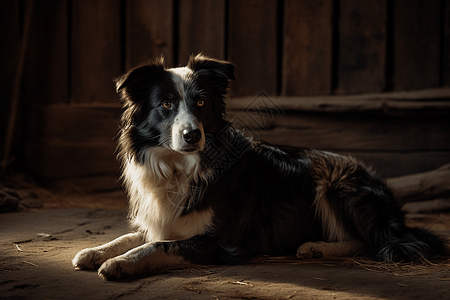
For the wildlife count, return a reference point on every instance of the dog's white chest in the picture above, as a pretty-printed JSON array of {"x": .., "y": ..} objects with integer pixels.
[
  {"x": 167, "y": 224},
  {"x": 158, "y": 197},
  {"x": 192, "y": 224}
]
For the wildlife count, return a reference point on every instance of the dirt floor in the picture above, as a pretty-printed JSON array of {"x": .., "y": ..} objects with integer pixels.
[{"x": 37, "y": 246}]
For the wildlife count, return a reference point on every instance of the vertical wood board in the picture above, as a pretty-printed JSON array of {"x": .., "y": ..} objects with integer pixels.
[
  {"x": 417, "y": 32},
  {"x": 149, "y": 31},
  {"x": 46, "y": 79},
  {"x": 96, "y": 50},
  {"x": 10, "y": 33},
  {"x": 307, "y": 59},
  {"x": 446, "y": 45},
  {"x": 201, "y": 29},
  {"x": 362, "y": 46},
  {"x": 252, "y": 46}
]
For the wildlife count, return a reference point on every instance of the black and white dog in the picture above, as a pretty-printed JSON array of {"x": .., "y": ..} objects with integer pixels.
[{"x": 202, "y": 192}]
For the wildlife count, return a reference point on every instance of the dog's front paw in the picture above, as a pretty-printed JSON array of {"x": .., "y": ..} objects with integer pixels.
[
  {"x": 310, "y": 250},
  {"x": 88, "y": 259},
  {"x": 116, "y": 268}
]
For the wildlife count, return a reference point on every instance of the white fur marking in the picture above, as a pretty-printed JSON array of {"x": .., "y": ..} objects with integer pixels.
[
  {"x": 143, "y": 258},
  {"x": 180, "y": 76},
  {"x": 88, "y": 258},
  {"x": 333, "y": 231},
  {"x": 159, "y": 191},
  {"x": 193, "y": 224},
  {"x": 184, "y": 118}
]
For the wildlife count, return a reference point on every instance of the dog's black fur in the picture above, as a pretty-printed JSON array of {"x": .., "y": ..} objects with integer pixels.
[{"x": 262, "y": 199}]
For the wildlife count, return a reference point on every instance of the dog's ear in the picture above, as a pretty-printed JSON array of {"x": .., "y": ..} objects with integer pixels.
[
  {"x": 136, "y": 83},
  {"x": 219, "y": 72}
]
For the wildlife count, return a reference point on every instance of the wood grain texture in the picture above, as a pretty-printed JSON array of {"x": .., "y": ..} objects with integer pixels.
[
  {"x": 73, "y": 141},
  {"x": 446, "y": 45},
  {"x": 352, "y": 132},
  {"x": 307, "y": 59},
  {"x": 390, "y": 164},
  {"x": 149, "y": 31},
  {"x": 252, "y": 46},
  {"x": 96, "y": 50},
  {"x": 422, "y": 186},
  {"x": 55, "y": 161},
  {"x": 75, "y": 124},
  {"x": 423, "y": 102},
  {"x": 10, "y": 33},
  {"x": 362, "y": 46},
  {"x": 417, "y": 31},
  {"x": 201, "y": 29},
  {"x": 46, "y": 79}
]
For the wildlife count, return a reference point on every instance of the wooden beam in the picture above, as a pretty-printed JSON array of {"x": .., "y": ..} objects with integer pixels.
[
  {"x": 432, "y": 101},
  {"x": 422, "y": 186},
  {"x": 350, "y": 132}
]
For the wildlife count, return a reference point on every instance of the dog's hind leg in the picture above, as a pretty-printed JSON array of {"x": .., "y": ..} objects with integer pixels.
[
  {"x": 354, "y": 204},
  {"x": 92, "y": 258},
  {"x": 328, "y": 249}
]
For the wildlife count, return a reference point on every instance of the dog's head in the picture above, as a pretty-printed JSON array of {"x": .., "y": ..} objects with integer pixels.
[{"x": 173, "y": 108}]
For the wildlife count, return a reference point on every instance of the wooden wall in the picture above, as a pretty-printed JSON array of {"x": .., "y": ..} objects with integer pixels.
[{"x": 282, "y": 47}]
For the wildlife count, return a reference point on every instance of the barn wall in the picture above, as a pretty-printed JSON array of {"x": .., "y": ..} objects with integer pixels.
[{"x": 299, "y": 48}]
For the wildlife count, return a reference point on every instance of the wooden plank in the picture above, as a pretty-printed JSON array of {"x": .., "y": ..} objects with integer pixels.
[
  {"x": 252, "y": 46},
  {"x": 201, "y": 29},
  {"x": 350, "y": 132},
  {"x": 422, "y": 186},
  {"x": 96, "y": 50},
  {"x": 391, "y": 164},
  {"x": 149, "y": 31},
  {"x": 55, "y": 161},
  {"x": 75, "y": 124},
  {"x": 424, "y": 102},
  {"x": 46, "y": 79},
  {"x": 89, "y": 184},
  {"x": 362, "y": 46},
  {"x": 446, "y": 45},
  {"x": 307, "y": 59},
  {"x": 73, "y": 140},
  {"x": 417, "y": 31}
]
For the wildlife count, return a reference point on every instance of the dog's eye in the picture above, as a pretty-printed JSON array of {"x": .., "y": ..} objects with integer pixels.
[
  {"x": 200, "y": 102},
  {"x": 166, "y": 104}
]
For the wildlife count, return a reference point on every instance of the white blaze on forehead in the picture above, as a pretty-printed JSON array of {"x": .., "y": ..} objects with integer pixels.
[
  {"x": 179, "y": 77},
  {"x": 184, "y": 118}
]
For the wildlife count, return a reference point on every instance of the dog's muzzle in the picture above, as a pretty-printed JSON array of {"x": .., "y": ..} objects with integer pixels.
[
  {"x": 187, "y": 138},
  {"x": 192, "y": 136}
]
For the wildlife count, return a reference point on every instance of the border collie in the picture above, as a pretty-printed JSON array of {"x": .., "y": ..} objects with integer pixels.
[{"x": 202, "y": 192}]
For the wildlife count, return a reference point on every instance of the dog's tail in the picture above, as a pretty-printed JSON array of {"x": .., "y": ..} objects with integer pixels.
[{"x": 412, "y": 244}]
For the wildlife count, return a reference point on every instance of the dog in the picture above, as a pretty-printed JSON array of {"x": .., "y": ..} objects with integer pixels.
[{"x": 203, "y": 192}]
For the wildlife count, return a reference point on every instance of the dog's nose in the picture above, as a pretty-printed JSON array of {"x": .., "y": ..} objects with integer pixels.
[{"x": 192, "y": 136}]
